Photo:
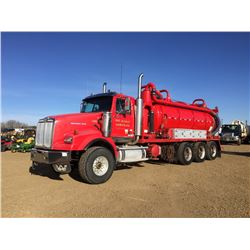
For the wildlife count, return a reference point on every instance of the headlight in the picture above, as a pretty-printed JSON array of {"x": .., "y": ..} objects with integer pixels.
[{"x": 68, "y": 139}]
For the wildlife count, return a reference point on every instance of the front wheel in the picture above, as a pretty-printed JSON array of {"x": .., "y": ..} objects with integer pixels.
[{"x": 96, "y": 165}]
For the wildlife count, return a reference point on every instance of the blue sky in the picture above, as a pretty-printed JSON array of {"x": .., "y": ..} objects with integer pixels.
[{"x": 49, "y": 73}]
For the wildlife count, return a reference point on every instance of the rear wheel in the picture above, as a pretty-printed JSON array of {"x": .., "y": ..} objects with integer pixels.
[
  {"x": 212, "y": 150},
  {"x": 199, "y": 151},
  {"x": 185, "y": 153},
  {"x": 3, "y": 148},
  {"x": 96, "y": 165}
]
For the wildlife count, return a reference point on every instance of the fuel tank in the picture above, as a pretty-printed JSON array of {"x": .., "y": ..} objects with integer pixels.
[{"x": 161, "y": 114}]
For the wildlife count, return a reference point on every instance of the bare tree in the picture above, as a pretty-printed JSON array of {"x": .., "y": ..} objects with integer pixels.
[{"x": 13, "y": 124}]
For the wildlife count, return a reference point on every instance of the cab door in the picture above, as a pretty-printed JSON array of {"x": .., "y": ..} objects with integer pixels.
[{"x": 122, "y": 128}]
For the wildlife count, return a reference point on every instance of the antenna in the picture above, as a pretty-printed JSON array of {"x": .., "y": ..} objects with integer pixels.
[{"x": 121, "y": 80}]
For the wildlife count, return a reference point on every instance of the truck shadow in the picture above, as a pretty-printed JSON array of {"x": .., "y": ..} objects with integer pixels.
[
  {"x": 247, "y": 154},
  {"x": 75, "y": 175},
  {"x": 45, "y": 171}
]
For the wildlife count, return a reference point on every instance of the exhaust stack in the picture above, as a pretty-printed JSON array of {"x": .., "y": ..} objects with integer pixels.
[
  {"x": 104, "y": 87},
  {"x": 139, "y": 105}
]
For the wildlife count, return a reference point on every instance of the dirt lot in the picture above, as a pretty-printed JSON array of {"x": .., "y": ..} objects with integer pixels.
[{"x": 219, "y": 188}]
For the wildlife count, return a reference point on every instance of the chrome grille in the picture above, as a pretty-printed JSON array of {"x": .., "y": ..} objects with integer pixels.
[{"x": 44, "y": 132}]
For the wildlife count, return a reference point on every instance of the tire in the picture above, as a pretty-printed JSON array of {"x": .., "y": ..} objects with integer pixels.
[
  {"x": 212, "y": 150},
  {"x": 199, "y": 151},
  {"x": 96, "y": 165},
  {"x": 185, "y": 153},
  {"x": 3, "y": 148},
  {"x": 239, "y": 142},
  {"x": 13, "y": 151}
]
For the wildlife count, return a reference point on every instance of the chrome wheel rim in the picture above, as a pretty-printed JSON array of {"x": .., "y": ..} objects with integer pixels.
[
  {"x": 213, "y": 150},
  {"x": 201, "y": 152},
  {"x": 187, "y": 153},
  {"x": 100, "y": 166}
]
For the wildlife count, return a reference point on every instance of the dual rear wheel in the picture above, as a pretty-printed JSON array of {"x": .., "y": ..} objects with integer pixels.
[{"x": 198, "y": 152}]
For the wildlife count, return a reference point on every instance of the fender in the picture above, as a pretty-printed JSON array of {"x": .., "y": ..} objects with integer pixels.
[{"x": 90, "y": 138}]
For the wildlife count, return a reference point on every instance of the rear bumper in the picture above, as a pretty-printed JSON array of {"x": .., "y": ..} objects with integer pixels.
[{"x": 50, "y": 157}]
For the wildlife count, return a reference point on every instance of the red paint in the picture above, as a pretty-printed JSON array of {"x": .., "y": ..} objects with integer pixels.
[{"x": 154, "y": 150}]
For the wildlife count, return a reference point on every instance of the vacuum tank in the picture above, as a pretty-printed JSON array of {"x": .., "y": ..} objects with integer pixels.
[{"x": 162, "y": 114}]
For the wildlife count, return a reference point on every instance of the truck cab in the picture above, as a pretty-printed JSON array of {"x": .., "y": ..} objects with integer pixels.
[
  {"x": 121, "y": 109},
  {"x": 230, "y": 133}
]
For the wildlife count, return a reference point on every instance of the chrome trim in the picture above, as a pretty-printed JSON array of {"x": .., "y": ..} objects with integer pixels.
[
  {"x": 45, "y": 132},
  {"x": 104, "y": 87},
  {"x": 139, "y": 105},
  {"x": 106, "y": 125}
]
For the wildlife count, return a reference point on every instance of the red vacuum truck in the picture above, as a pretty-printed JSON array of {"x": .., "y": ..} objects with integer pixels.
[{"x": 113, "y": 129}]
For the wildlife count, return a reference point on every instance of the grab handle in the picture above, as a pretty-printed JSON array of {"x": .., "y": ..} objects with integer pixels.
[{"x": 202, "y": 104}]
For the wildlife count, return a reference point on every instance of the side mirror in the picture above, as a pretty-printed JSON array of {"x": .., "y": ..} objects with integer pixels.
[{"x": 127, "y": 105}]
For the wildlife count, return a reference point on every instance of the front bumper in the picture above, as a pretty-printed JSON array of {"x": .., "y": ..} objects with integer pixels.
[
  {"x": 229, "y": 139},
  {"x": 50, "y": 157}
]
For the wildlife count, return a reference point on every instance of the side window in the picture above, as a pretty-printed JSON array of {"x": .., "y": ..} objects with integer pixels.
[
  {"x": 96, "y": 108},
  {"x": 120, "y": 106}
]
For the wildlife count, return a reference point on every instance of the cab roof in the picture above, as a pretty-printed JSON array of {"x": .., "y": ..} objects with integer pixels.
[{"x": 100, "y": 95}]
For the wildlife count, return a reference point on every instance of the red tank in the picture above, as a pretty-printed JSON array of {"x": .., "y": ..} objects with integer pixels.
[{"x": 162, "y": 115}]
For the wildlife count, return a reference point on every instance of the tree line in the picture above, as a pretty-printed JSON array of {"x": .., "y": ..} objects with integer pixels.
[{"x": 13, "y": 124}]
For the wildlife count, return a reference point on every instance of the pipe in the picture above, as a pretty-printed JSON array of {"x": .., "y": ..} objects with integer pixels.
[
  {"x": 140, "y": 85},
  {"x": 139, "y": 107},
  {"x": 168, "y": 98},
  {"x": 218, "y": 122},
  {"x": 104, "y": 88}
]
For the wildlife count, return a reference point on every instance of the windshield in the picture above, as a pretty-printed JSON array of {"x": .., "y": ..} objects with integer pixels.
[
  {"x": 230, "y": 128},
  {"x": 98, "y": 104}
]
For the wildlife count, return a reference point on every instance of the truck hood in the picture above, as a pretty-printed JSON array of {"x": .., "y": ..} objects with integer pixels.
[
  {"x": 78, "y": 126},
  {"x": 78, "y": 117}
]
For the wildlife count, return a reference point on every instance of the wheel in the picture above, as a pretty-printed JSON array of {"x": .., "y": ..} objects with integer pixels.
[
  {"x": 13, "y": 150},
  {"x": 185, "y": 153},
  {"x": 239, "y": 141},
  {"x": 212, "y": 150},
  {"x": 199, "y": 151},
  {"x": 96, "y": 165},
  {"x": 168, "y": 153},
  {"x": 3, "y": 148}
]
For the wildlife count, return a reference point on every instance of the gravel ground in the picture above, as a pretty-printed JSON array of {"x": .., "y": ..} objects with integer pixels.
[{"x": 219, "y": 188}]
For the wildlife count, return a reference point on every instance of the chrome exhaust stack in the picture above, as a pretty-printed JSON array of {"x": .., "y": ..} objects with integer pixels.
[
  {"x": 104, "y": 88},
  {"x": 139, "y": 105},
  {"x": 138, "y": 115}
]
